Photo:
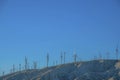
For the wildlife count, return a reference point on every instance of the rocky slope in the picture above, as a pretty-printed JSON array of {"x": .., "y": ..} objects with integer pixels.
[{"x": 86, "y": 70}]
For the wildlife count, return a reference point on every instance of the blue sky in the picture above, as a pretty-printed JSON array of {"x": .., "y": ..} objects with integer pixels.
[{"x": 34, "y": 28}]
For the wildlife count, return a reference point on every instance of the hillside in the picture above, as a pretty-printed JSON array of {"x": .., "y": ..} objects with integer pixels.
[{"x": 86, "y": 70}]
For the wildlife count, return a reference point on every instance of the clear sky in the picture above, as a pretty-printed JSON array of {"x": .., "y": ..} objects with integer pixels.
[{"x": 34, "y": 27}]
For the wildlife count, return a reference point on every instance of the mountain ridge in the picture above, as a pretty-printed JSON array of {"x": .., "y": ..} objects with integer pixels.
[{"x": 83, "y": 70}]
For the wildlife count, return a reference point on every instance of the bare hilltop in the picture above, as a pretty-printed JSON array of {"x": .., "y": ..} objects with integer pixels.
[{"x": 83, "y": 70}]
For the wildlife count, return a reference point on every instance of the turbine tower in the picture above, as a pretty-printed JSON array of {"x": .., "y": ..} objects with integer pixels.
[
  {"x": 47, "y": 59},
  {"x": 13, "y": 68},
  {"x": 35, "y": 65},
  {"x": 75, "y": 57},
  {"x": 64, "y": 56},
  {"x": 26, "y": 63},
  {"x": 19, "y": 67},
  {"x": 108, "y": 55},
  {"x": 61, "y": 57},
  {"x": 117, "y": 52},
  {"x": 100, "y": 56}
]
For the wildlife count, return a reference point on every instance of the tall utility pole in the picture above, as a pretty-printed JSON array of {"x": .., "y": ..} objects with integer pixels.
[
  {"x": 26, "y": 63},
  {"x": 61, "y": 57},
  {"x": 47, "y": 59},
  {"x": 117, "y": 52},
  {"x": 75, "y": 57},
  {"x": 64, "y": 56}
]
